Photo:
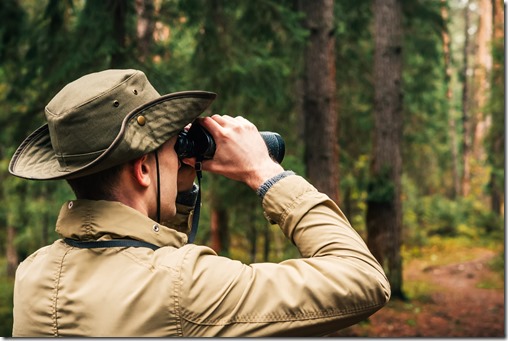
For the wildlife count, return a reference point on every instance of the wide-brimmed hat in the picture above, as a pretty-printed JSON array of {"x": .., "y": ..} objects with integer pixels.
[{"x": 101, "y": 120}]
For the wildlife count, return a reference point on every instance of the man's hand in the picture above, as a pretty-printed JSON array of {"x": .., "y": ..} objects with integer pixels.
[{"x": 241, "y": 152}]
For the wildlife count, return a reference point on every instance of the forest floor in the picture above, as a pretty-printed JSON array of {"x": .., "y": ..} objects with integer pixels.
[{"x": 461, "y": 298}]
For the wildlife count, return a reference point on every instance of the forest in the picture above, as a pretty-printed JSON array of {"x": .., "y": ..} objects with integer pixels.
[{"x": 394, "y": 108}]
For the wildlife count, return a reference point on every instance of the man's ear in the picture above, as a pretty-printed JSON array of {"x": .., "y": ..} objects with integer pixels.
[{"x": 141, "y": 170}]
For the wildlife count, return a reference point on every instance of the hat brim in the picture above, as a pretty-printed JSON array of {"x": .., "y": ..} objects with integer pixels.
[{"x": 164, "y": 118}]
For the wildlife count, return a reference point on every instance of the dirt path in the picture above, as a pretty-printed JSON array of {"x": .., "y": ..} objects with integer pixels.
[{"x": 455, "y": 307}]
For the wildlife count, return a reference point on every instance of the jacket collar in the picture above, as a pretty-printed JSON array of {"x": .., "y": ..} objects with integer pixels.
[{"x": 94, "y": 220}]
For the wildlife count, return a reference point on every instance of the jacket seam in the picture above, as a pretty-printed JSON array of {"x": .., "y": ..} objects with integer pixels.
[
  {"x": 273, "y": 318},
  {"x": 136, "y": 259},
  {"x": 291, "y": 206},
  {"x": 177, "y": 280},
  {"x": 55, "y": 293},
  {"x": 179, "y": 311}
]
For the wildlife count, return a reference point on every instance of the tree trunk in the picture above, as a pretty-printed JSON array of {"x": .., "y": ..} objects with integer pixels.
[
  {"x": 319, "y": 98},
  {"x": 219, "y": 232},
  {"x": 497, "y": 133},
  {"x": 215, "y": 223},
  {"x": 481, "y": 120},
  {"x": 11, "y": 252},
  {"x": 466, "y": 122},
  {"x": 145, "y": 27},
  {"x": 118, "y": 8},
  {"x": 452, "y": 131},
  {"x": 384, "y": 208}
]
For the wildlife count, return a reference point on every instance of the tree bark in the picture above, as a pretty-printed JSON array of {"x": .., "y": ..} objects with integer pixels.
[
  {"x": 482, "y": 75},
  {"x": 497, "y": 132},
  {"x": 466, "y": 121},
  {"x": 219, "y": 232},
  {"x": 11, "y": 252},
  {"x": 118, "y": 8},
  {"x": 384, "y": 208},
  {"x": 452, "y": 131},
  {"x": 215, "y": 223},
  {"x": 145, "y": 27},
  {"x": 319, "y": 98},
  {"x": 481, "y": 119}
]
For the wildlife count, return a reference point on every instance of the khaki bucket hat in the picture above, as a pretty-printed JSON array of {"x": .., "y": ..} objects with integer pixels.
[{"x": 101, "y": 120}]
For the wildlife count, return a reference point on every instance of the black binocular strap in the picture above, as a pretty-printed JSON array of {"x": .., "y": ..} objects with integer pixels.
[
  {"x": 109, "y": 243},
  {"x": 158, "y": 188},
  {"x": 197, "y": 206}
]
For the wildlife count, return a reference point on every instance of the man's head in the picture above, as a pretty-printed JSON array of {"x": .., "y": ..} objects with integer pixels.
[
  {"x": 111, "y": 135},
  {"x": 102, "y": 120}
]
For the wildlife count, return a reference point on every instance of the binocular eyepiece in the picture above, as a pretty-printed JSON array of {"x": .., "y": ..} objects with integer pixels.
[{"x": 198, "y": 142}]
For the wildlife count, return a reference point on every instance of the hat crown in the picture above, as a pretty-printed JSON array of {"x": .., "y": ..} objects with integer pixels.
[{"x": 86, "y": 115}]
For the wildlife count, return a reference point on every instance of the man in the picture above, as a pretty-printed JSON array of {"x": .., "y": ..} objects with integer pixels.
[{"x": 123, "y": 266}]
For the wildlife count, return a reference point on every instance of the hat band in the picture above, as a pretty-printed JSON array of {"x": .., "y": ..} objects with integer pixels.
[{"x": 78, "y": 158}]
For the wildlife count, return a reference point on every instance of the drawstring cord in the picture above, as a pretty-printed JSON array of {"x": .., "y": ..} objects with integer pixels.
[
  {"x": 197, "y": 206},
  {"x": 158, "y": 189}
]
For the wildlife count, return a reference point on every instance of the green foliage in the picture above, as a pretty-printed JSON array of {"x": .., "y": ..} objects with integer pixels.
[
  {"x": 496, "y": 279},
  {"x": 498, "y": 263},
  {"x": 437, "y": 215},
  {"x": 12, "y": 18},
  {"x": 32, "y": 209},
  {"x": 440, "y": 215},
  {"x": 6, "y": 296}
]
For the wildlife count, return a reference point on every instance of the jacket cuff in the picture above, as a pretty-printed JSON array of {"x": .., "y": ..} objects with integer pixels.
[
  {"x": 270, "y": 182},
  {"x": 284, "y": 196}
]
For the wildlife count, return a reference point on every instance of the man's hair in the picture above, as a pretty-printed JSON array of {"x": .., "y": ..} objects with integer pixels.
[{"x": 97, "y": 186}]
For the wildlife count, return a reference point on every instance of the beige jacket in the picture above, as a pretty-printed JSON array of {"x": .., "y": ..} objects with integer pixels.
[{"x": 187, "y": 290}]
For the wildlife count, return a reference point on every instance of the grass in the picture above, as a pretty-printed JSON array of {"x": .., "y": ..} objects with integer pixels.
[
  {"x": 494, "y": 280},
  {"x": 490, "y": 283},
  {"x": 445, "y": 251},
  {"x": 420, "y": 291}
]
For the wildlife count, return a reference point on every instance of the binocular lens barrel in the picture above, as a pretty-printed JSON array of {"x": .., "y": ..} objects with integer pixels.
[{"x": 276, "y": 145}]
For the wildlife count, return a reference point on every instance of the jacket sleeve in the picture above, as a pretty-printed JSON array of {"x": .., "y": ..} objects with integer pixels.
[{"x": 335, "y": 284}]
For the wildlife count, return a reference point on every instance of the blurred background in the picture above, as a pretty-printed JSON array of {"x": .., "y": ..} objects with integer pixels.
[{"x": 394, "y": 108}]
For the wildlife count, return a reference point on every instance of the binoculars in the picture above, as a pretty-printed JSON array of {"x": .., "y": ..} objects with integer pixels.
[{"x": 198, "y": 142}]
